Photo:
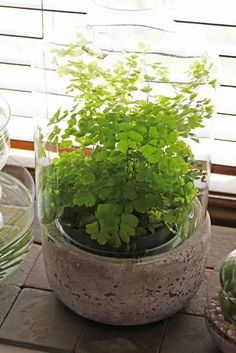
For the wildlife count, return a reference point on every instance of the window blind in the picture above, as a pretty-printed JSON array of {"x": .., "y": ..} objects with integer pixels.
[{"x": 24, "y": 23}]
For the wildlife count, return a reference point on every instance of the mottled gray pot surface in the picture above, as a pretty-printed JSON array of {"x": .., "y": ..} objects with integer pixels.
[
  {"x": 127, "y": 291},
  {"x": 224, "y": 343}
]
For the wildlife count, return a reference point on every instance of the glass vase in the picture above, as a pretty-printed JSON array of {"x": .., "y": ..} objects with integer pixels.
[
  {"x": 17, "y": 210},
  {"x": 16, "y": 203},
  {"x": 164, "y": 69}
]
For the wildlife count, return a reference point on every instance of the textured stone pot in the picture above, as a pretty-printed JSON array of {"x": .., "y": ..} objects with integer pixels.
[{"x": 127, "y": 291}]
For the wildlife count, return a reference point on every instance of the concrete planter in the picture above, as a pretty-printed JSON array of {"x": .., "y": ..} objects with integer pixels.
[{"x": 127, "y": 291}]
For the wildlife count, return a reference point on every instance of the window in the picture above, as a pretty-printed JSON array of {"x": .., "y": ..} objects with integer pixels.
[{"x": 24, "y": 23}]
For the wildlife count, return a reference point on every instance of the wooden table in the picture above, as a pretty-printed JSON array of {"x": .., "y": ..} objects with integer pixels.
[{"x": 33, "y": 320}]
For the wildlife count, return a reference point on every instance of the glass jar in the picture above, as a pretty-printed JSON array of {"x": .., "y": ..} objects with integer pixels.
[
  {"x": 17, "y": 210},
  {"x": 129, "y": 57},
  {"x": 220, "y": 312},
  {"x": 16, "y": 203}
]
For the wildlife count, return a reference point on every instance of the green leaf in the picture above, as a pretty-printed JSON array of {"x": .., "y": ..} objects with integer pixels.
[
  {"x": 128, "y": 224},
  {"x": 102, "y": 237},
  {"x": 55, "y": 117},
  {"x": 146, "y": 89},
  {"x": 84, "y": 198},
  {"x": 86, "y": 178},
  {"x": 147, "y": 150},
  {"x": 156, "y": 156},
  {"x": 153, "y": 132},
  {"x": 66, "y": 144},
  {"x": 144, "y": 203},
  {"x": 123, "y": 146},
  {"x": 41, "y": 152},
  {"x": 129, "y": 190},
  {"x": 135, "y": 136},
  {"x": 108, "y": 211},
  {"x": 92, "y": 229}
]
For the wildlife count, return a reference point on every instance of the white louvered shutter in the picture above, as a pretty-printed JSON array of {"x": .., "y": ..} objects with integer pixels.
[{"x": 24, "y": 23}]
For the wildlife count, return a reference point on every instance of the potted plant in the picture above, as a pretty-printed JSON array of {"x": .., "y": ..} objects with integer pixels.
[
  {"x": 125, "y": 238},
  {"x": 221, "y": 308}
]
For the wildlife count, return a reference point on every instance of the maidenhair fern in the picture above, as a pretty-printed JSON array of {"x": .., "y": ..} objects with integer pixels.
[{"x": 140, "y": 165}]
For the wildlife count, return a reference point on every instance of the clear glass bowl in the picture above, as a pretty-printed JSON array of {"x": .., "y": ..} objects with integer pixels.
[
  {"x": 222, "y": 332},
  {"x": 17, "y": 211}
]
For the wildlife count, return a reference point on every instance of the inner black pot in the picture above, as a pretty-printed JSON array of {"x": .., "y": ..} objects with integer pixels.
[{"x": 162, "y": 240}]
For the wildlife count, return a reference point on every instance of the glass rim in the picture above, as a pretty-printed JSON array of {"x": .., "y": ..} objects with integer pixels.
[
  {"x": 159, "y": 249},
  {"x": 31, "y": 187},
  {"x": 201, "y": 232},
  {"x": 201, "y": 218},
  {"x": 28, "y": 211},
  {"x": 122, "y": 8},
  {"x": 5, "y": 108}
]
